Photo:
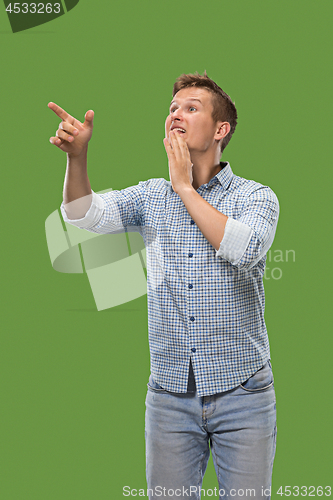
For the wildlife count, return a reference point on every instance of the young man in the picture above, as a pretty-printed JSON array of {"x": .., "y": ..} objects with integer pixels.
[{"x": 207, "y": 232}]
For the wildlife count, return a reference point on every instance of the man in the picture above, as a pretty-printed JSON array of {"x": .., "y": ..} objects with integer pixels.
[{"x": 207, "y": 232}]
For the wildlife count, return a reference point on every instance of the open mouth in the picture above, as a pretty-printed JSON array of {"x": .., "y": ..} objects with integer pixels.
[{"x": 180, "y": 130}]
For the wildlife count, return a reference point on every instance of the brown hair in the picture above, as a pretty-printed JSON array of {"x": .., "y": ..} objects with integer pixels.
[{"x": 223, "y": 108}]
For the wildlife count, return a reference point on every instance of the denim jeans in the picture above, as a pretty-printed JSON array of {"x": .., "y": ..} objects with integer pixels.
[{"x": 239, "y": 426}]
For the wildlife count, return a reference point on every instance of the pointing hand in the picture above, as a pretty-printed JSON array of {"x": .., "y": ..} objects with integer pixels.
[{"x": 72, "y": 136}]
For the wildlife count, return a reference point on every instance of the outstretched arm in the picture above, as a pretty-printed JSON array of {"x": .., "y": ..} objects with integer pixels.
[{"x": 72, "y": 137}]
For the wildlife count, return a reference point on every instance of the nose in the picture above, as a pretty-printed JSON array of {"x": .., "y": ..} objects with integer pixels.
[{"x": 176, "y": 115}]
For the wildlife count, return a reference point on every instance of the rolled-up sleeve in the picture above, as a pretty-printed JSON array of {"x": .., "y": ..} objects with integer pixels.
[
  {"x": 91, "y": 218},
  {"x": 248, "y": 237},
  {"x": 113, "y": 211}
]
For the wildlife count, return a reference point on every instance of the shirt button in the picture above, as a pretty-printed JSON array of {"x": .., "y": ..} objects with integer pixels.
[
  {"x": 192, "y": 318},
  {"x": 190, "y": 255},
  {"x": 190, "y": 286},
  {"x": 193, "y": 349},
  {"x": 192, "y": 222}
]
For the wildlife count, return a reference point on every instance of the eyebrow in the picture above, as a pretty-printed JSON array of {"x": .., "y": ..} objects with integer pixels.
[{"x": 187, "y": 100}]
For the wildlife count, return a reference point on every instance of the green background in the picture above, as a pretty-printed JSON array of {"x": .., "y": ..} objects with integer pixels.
[{"x": 73, "y": 380}]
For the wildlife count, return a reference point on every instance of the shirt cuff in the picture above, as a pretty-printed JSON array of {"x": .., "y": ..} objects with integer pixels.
[
  {"x": 91, "y": 217},
  {"x": 234, "y": 243}
]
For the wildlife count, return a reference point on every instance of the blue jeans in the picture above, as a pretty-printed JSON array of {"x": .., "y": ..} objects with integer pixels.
[{"x": 239, "y": 426}]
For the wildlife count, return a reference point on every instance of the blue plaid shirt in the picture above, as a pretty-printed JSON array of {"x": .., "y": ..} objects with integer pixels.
[{"x": 204, "y": 305}]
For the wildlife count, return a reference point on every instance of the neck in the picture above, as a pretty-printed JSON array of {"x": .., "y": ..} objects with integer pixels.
[{"x": 204, "y": 168}]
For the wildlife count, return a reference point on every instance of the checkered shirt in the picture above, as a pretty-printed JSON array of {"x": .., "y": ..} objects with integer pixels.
[{"x": 204, "y": 305}]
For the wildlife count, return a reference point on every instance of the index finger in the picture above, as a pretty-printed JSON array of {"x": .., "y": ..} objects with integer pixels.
[
  {"x": 59, "y": 111},
  {"x": 183, "y": 144}
]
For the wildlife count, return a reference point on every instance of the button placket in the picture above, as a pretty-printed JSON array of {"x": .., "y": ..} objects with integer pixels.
[{"x": 190, "y": 277}]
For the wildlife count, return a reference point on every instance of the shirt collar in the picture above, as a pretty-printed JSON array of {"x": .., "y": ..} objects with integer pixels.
[{"x": 224, "y": 176}]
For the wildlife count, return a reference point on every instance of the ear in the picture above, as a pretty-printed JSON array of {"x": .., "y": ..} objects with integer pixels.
[{"x": 223, "y": 129}]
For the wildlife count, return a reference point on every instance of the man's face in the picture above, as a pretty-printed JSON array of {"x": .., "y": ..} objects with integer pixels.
[{"x": 191, "y": 116}]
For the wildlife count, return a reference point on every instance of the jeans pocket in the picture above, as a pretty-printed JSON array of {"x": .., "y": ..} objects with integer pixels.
[
  {"x": 261, "y": 380},
  {"x": 153, "y": 386}
]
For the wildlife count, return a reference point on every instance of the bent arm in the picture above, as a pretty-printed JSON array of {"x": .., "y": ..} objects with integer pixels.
[
  {"x": 248, "y": 237},
  {"x": 242, "y": 241},
  {"x": 210, "y": 221}
]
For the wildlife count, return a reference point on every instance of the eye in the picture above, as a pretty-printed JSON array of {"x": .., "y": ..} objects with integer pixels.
[
  {"x": 192, "y": 108},
  {"x": 172, "y": 110}
]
